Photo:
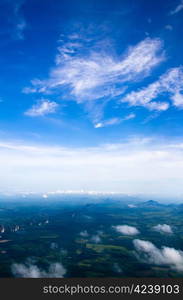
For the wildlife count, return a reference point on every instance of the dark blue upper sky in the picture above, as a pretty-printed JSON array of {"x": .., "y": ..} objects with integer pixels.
[{"x": 71, "y": 70}]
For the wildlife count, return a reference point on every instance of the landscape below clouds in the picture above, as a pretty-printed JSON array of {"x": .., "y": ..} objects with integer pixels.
[
  {"x": 90, "y": 236},
  {"x": 91, "y": 143}
]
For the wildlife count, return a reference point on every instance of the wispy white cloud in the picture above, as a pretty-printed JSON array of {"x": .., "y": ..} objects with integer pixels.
[
  {"x": 129, "y": 117},
  {"x": 169, "y": 84},
  {"x": 43, "y": 107},
  {"x": 19, "y": 20},
  {"x": 15, "y": 24},
  {"x": 30, "y": 270},
  {"x": 169, "y": 27},
  {"x": 177, "y": 99},
  {"x": 29, "y": 90},
  {"x": 20, "y": 27},
  {"x": 167, "y": 256},
  {"x": 90, "y": 74},
  {"x": 114, "y": 121},
  {"x": 178, "y": 8},
  {"x": 163, "y": 228},
  {"x": 127, "y": 230}
]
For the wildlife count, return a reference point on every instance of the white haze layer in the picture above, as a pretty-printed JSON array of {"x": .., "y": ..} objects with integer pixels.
[{"x": 138, "y": 165}]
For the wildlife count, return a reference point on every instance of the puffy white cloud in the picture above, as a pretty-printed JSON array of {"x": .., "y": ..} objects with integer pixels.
[
  {"x": 28, "y": 270},
  {"x": 163, "y": 228},
  {"x": 178, "y": 8},
  {"x": 170, "y": 83},
  {"x": 96, "y": 239},
  {"x": 127, "y": 230},
  {"x": 84, "y": 233},
  {"x": 43, "y": 107},
  {"x": 149, "y": 253},
  {"x": 29, "y": 90}
]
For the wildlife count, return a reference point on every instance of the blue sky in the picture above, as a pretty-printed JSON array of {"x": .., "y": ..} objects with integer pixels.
[{"x": 93, "y": 81}]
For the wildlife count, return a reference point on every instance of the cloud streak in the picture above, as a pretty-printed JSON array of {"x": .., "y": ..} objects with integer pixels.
[{"x": 114, "y": 121}]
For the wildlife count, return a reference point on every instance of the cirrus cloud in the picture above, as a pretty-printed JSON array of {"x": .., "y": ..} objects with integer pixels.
[
  {"x": 114, "y": 121},
  {"x": 93, "y": 77},
  {"x": 138, "y": 165},
  {"x": 178, "y": 8}
]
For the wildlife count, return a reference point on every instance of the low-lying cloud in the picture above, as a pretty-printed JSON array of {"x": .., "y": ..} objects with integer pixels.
[
  {"x": 163, "y": 228},
  {"x": 84, "y": 233},
  {"x": 149, "y": 253},
  {"x": 30, "y": 270},
  {"x": 127, "y": 230}
]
